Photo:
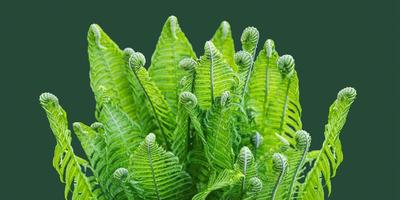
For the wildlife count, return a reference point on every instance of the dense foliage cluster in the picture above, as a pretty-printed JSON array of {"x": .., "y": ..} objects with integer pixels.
[{"x": 226, "y": 125}]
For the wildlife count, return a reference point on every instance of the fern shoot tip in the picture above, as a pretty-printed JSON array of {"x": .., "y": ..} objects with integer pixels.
[
  {"x": 347, "y": 93},
  {"x": 286, "y": 64},
  {"x": 47, "y": 97}
]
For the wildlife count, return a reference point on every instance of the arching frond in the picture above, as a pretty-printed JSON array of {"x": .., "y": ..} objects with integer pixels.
[
  {"x": 219, "y": 140},
  {"x": 273, "y": 94},
  {"x": 224, "y": 179},
  {"x": 171, "y": 48},
  {"x": 213, "y": 76},
  {"x": 154, "y": 99},
  {"x": 330, "y": 156},
  {"x": 158, "y": 173},
  {"x": 109, "y": 72},
  {"x": 67, "y": 164},
  {"x": 223, "y": 40}
]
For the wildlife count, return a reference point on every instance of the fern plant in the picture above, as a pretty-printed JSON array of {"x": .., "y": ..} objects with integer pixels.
[{"x": 224, "y": 125}]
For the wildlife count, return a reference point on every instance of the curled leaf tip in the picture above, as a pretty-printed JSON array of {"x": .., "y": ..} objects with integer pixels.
[
  {"x": 269, "y": 47},
  {"x": 348, "y": 93},
  {"x": 150, "y": 138},
  {"x": 249, "y": 39},
  {"x": 137, "y": 60},
  {"x": 187, "y": 64},
  {"x": 245, "y": 151},
  {"x": 96, "y": 125},
  {"x": 286, "y": 64},
  {"x": 47, "y": 98},
  {"x": 255, "y": 184},
  {"x": 173, "y": 22},
  {"x": 188, "y": 98},
  {"x": 95, "y": 29},
  {"x": 243, "y": 58},
  {"x": 279, "y": 162},
  {"x": 120, "y": 174},
  {"x": 225, "y": 28},
  {"x": 225, "y": 97},
  {"x": 303, "y": 139},
  {"x": 129, "y": 51},
  {"x": 257, "y": 139},
  {"x": 77, "y": 125}
]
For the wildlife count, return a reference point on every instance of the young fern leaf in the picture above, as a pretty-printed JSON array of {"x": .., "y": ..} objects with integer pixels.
[
  {"x": 158, "y": 105},
  {"x": 244, "y": 60},
  {"x": 223, "y": 40},
  {"x": 158, "y": 173},
  {"x": 247, "y": 166},
  {"x": 122, "y": 136},
  {"x": 280, "y": 166},
  {"x": 180, "y": 145},
  {"x": 255, "y": 187},
  {"x": 108, "y": 72},
  {"x": 249, "y": 39},
  {"x": 67, "y": 164},
  {"x": 171, "y": 48},
  {"x": 219, "y": 142},
  {"x": 95, "y": 148},
  {"x": 213, "y": 76},
  {"x": 224, "y": 179},
  {"x": 330, "y": 156}
]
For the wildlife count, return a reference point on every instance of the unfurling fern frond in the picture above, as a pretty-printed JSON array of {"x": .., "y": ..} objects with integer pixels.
[
  {"x": 224, "y": 179},
  {"x": 67, "y": 164},
  {"x": 158, "y": 173},
  {"x": 224, "y": 126},
  {"x": 223, "y": 40},
  {"x": 213, "y": 76},
  {"x": 330, "y": 156},
  {"x": 171, "y": 48}
]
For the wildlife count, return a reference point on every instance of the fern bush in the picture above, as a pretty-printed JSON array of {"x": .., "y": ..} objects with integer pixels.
[{"x": 224, "y": 125}]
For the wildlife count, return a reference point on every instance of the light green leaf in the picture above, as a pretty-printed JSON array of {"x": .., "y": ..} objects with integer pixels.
[
  {"x": 224, "y": 179},
  {"x": 158, "y": 173},
  {"x": 109, "y": 72},
  {"x": 213, "y": 76},
  {"x": 67, "y": 164},
  {"x": 223, "y": 40},
  {"x": 171, "y": 48},
  {"x": 330, "y": 156}
]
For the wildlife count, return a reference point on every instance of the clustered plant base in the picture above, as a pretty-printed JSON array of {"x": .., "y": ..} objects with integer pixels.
[{"x": 224, "y": 125}]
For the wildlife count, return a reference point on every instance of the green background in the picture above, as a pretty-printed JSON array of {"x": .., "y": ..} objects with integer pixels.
[{"x": 335, "y": 44}]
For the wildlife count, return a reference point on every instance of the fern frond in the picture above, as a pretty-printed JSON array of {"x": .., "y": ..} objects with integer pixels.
[
  {"x": 223, "y": 40},
  {"x": 224, "y": 179},
  {"x": 247, "y": 166},
  {"x": 95, "y": 148},
  {"x": 67, "y": 164},
  {"x": 158, "y": 173},
  {"x": 154, "y": 99},
  {"x": 219, "y": 141},
  {"x": 213, "y": 76},
  {"x": 330, "y": 156},
  {"x": 109, "y": 72},
  {"x": 164, "y": 70}
]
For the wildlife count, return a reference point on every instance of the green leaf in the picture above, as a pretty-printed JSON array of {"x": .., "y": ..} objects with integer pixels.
[
  {"x": 171, "y": 48},
  {"x": 213, "y": 76},
  {"x": 154, "y": 99},
  {"x": 224, "y": 179},
  {"x": 94, "y": 145},
  {"x": 246, "y": 164},
  {"x": 122, "y": 136},
  {"x": 274, "y": 95},
  {"x": 219, "y": 140},
  {"x": 158, "y": 173},
  {"x": 109, "y": 72},
  {"x": 330, "y": 156},
  {"x": 223, "y": 40},
  {"x": 67, "y": 164}
]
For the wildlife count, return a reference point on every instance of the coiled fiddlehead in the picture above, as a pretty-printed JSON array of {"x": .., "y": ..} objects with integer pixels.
[{"x": 286, "y": 65}]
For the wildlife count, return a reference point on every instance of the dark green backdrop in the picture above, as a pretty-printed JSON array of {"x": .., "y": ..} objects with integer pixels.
[{"x": 335, "y": 44}]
